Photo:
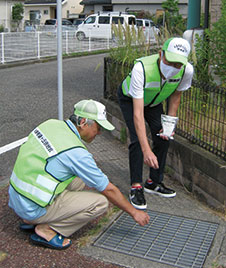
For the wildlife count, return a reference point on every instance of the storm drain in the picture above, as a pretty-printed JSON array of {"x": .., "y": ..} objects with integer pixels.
[{"x": 169, "y": 239}]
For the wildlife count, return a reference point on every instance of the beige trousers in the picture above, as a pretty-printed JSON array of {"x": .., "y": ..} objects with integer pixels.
[{"x": 73, "y": 208}]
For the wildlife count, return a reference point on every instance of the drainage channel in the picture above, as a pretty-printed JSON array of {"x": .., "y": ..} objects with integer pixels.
[{"x": 173, "y": 240}]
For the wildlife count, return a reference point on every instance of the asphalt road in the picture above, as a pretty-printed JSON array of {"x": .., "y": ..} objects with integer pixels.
[{"x": 29, "y": 95}]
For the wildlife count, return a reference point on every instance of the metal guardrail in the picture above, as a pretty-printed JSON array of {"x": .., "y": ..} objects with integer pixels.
[
  {"x": 202, "y": 117},
  {"x": 21, "y": 46},
  {"x": 41, "y": 42}
]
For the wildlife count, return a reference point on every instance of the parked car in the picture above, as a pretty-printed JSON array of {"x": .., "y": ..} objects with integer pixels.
[
  {"x": 100, "y": 25},
  {"x": 51, "y": 25},
  {"x": 156, "y": 27},
  {"x": 144, "y": 24},
  {"x": 76, "y": 21},
  {"x": 149, "y": 28},
  {"x": 29, "y": 26}
]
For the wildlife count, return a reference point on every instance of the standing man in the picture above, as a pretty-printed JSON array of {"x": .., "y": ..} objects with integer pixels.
[
  {"x": 52, "y": 168},
  {"x": 153, "y": 79}
]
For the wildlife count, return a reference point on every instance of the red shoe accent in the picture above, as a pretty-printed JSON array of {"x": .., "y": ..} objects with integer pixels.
[{"x": 137, "y": 187}]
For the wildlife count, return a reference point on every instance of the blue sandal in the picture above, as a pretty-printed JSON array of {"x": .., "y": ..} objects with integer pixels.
[
  {"x": 27, "y": 227},
  {"x": 55, "y": 243}
]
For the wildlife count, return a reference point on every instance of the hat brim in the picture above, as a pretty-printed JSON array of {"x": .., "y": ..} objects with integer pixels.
[
  {"x": 174, "y": 57},
  {"x": 105, "y": 124}
]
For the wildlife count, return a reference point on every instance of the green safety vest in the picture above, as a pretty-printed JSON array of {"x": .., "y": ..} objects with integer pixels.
[
  {"x": 154, "y": 91},
  {"x": 29, "y": 177}
]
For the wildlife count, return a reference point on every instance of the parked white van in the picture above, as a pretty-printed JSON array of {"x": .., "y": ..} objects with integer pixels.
[
  {"x": 148, "y": 27},
  {"x": 100, "y": 25}
]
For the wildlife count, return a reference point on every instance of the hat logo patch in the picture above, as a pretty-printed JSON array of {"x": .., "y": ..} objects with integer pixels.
[{"x": 181, "y": 48}]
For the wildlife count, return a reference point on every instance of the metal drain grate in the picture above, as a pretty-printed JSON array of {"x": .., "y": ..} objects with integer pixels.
[{"x": 173, "y": 240}]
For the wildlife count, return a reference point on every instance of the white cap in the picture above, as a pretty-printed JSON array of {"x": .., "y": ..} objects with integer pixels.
[
  {"x": 177, "y": 50},
  {"x": 93, "y": 110}
]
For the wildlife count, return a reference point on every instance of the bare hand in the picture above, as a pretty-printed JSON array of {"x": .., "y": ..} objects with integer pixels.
[
  {"x": 151, "y": 160},
  {"x": 141, "y": 217}
]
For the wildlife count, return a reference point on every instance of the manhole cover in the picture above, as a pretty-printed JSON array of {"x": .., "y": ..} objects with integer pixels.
[{"x": 169, "y": 239}]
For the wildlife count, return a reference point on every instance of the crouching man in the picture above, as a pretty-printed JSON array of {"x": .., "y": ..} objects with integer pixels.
[{"x": 52, "y": 168}]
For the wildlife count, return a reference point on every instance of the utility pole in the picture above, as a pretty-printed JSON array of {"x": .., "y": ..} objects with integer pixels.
[{"x": 59, "y": 60}]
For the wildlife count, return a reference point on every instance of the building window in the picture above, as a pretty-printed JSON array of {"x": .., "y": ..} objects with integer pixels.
[
  {"x": 35, "y": 16},
  {"x": 107, "y": 8},
  {"x": 46, "y": 12}
]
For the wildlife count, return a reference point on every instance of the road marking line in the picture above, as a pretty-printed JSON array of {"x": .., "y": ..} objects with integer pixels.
[{"x": 12, "y": 145}]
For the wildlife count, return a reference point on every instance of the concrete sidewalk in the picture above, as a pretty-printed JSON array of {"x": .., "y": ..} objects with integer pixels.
[{"x": 112, "y": 157}]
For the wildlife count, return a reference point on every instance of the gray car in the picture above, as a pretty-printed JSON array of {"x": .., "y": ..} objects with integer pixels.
[{"x": 51, "y": 25}]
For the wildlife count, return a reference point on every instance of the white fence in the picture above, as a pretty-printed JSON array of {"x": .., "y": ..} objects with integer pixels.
[{"x": 21, "y": 46}]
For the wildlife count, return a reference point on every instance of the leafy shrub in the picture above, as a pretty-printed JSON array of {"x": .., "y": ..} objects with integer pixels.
[
  {"x": 210, "y": 51},
  {"x": 2, "y": 28},
  {"x": 17, "y": 12},
  {"x": 173, "y": 20},
  {"x": 217, "y": 51},
  {"x": 200, "y": 59}
]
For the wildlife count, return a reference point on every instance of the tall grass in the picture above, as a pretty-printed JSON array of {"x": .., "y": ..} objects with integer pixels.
[{"x": 131, "y": 45}]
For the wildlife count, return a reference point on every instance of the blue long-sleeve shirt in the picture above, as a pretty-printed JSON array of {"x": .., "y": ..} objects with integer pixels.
[{"x": 65, "y": 165}]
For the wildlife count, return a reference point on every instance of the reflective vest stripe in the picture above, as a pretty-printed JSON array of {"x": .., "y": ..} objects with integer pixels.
[
  {"x": 28, "y": 188},
  {"x": 152, "y": 84},
  {"x": 46, "y": 144},
  {"x": 125, "y": 86},
  {"x": 46, "y": 182}
]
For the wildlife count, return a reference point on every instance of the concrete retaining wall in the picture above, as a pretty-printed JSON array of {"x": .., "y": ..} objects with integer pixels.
[{"x": 201, "y": 172}]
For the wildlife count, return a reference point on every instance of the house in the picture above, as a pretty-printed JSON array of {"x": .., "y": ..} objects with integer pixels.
[
  {"x": 38, "y": 11},
  {"x": 6, "y": 12},
  {"x": 153, "y": 6}
]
